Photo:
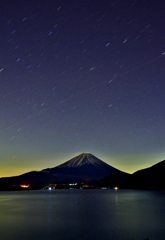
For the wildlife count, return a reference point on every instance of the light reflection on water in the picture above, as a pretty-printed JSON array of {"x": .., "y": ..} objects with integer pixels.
[{"x": 82, "y": 215}]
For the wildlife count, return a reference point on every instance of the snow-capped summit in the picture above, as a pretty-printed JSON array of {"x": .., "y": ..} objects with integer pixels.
[{"x": 84, "y": 159}]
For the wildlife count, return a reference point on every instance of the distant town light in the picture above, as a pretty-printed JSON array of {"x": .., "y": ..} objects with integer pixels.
[
  {"x": 24, "y": 186},
  {"x": 72, "y": 184}
]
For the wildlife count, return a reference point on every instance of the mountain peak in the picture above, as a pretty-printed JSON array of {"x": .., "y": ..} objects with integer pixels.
[
  {"x": 82, "y": 159},
  {"x": 81, "y": 167}
]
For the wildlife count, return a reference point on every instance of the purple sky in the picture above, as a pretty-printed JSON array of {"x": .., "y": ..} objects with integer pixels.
[{"x": 81, "y": 76}]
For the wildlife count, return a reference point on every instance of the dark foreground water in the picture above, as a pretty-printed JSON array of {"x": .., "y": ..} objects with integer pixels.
[{"x": 82, "y": 215}]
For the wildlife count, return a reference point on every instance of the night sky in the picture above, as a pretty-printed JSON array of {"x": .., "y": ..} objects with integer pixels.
[{"x": 81, "y": 76}]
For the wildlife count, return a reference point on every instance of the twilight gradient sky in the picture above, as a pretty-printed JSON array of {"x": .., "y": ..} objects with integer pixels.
[{"x": 81, "y": 76}]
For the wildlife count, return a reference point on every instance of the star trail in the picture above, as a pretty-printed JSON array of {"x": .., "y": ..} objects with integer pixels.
[{"x": 81, "y": 76}]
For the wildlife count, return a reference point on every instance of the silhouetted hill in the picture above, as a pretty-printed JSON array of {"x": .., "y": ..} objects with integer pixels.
[
  {"x": 121, "y": 180},
  {"x": 148, "y": 178},
  {"x": 34, "y": 179}
]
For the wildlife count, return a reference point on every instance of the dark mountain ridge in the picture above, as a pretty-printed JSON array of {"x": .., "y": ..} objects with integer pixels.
[
  {"x": 34, "y": 179},
  {"x": 86, "y": 168},
  {"x": 149, "y": 178}
]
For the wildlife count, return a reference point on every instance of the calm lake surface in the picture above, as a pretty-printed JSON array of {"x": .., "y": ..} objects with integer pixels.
[{"x": 82, "y": 215}]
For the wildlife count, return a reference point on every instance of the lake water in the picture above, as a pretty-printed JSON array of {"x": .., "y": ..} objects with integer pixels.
[{"x": 82, "y": 215}]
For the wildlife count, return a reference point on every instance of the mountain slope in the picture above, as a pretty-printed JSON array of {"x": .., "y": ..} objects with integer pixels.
[
  {"x": 150, "y": 178},
  {"x": 34, "y": 179},
  {"x": 83, "y": 167},
  {"x": 121, "y": 180}
]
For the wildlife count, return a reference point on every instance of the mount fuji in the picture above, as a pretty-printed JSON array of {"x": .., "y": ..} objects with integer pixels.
[{"x": 84, "y": 167}]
